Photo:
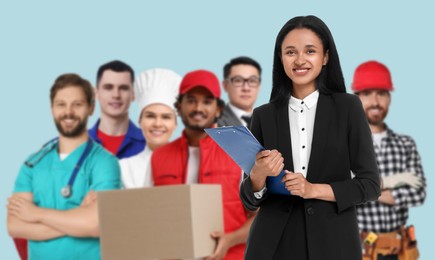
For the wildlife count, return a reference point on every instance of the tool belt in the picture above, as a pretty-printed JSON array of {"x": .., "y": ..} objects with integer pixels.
[{"x": 401, "y": 242}]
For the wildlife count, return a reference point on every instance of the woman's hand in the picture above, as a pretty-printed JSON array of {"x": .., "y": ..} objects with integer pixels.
[
  {"x": 297, "y": 184},
  {"x": 267, "y": 163}
]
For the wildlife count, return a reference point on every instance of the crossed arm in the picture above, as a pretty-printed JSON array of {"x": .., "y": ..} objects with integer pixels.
[{"x": 25, "y": 220}]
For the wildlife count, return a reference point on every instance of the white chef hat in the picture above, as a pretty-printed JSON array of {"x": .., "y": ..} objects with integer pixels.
[{"x": 157, "y": 86}]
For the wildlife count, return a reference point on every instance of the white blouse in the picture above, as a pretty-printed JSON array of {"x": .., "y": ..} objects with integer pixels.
[{"x": 301, "y": 118}]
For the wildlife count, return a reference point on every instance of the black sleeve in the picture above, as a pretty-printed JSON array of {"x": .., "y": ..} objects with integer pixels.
[
  {"x": 365, "y": 186},
  {"x": 246, "y": 194}
]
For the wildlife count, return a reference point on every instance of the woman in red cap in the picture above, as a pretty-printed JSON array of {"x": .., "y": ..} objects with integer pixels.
[{"x": 315, "y": 135}]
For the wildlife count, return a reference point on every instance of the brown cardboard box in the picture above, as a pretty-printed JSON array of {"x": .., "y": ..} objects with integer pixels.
[{"x": 167, "y": 222}]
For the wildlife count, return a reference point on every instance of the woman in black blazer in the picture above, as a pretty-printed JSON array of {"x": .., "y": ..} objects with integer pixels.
[{"x": 318, "y": 135}]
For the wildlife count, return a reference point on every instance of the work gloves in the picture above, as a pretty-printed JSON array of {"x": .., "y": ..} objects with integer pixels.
[{"x": 402, "y": 179}]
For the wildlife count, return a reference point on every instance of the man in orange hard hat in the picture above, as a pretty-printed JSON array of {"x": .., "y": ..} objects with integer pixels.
[{"x": 382, "y": 223}]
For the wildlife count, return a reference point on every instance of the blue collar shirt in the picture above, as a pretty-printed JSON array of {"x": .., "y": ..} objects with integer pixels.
[{"x": 133, "y": 142}]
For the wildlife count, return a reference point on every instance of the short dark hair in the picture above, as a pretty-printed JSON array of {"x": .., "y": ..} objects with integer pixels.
[
  {"x": 71, "y": 79},
  {"x": 330, "y": 79},
  {"x": 241, "y": 60},
  {"x": 117, "y": 66}
]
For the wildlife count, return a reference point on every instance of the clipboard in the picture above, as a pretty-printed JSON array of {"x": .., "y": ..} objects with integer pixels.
[{"x": 242, "y": 146}]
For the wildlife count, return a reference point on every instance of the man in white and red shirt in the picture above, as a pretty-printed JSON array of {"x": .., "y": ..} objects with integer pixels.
[{"x": 196, "y": 158}]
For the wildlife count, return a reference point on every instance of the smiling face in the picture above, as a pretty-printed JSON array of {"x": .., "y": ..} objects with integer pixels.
[
  {"x": 198, "y": 109},
  {"x": 375, "y": 103},
  {"x": 115, "y": 93},
  {"x": 157, "y": 122},
  {"x": 303, "y": 58},
  {"x": 70, "y": 111}
]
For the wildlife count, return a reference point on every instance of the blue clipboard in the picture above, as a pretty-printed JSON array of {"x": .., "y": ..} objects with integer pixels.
[{"x": 242, "y": 146}]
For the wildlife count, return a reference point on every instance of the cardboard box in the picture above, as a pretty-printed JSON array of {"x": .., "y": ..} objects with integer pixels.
[{"x": 167, "y": 222}]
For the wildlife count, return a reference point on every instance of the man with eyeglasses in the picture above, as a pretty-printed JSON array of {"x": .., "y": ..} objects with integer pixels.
[{"x": 242, "y": 80}]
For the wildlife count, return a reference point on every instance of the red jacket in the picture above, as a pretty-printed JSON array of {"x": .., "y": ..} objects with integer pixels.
[{"x": 169, "y": 166}]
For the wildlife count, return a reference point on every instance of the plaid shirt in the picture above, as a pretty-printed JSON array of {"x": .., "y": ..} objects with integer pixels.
[{"x": 397, "y": 154}]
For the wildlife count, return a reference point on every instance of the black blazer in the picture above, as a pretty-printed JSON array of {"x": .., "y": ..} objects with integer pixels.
[
  {"x": 228, "y": 118},
  {"x": 341, "y": 143}
]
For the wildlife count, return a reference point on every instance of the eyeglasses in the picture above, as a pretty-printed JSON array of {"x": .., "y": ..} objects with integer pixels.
[{"x": 237, "y": 81}]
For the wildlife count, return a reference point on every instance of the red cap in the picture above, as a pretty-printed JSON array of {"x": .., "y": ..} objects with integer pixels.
[
  {"x": 372, "y": 75},
  {"x": 201, "y": 78}
]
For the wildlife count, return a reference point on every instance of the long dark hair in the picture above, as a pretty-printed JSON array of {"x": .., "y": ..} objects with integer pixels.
[{"x": 330, "y": 79}]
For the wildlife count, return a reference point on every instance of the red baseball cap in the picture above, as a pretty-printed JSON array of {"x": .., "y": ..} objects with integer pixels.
[
  {"x": 372, "y": 75},
  {"x": 201, "y": 78}
]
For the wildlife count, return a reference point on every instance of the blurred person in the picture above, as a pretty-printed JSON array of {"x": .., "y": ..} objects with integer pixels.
[
  {"x": 196, "y": 158},
  {"x": 156, "y": 91},
  {"x": 114, "y": 92},
  {"x": 53, "y": 205},
  {"x": 403, "y": 181},
  {"x": 242, "y": 81}
]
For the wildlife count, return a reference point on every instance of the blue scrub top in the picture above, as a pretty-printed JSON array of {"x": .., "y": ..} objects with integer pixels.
[
  {"x": 99, "y": 171},
  {"x": 133, "y": 143}
]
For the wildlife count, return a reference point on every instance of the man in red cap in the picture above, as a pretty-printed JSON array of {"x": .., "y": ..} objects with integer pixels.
[
  {"x": 382, "y": 223},
  {"x": 196, "y": 158}
]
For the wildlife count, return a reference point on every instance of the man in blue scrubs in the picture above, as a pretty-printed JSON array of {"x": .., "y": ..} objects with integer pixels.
[
  {"x": 53, "y": 205},
  {"x": 114, "y": 130}
]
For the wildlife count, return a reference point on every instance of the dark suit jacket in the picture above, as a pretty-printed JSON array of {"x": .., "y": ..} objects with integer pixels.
[
  {"x": 341, "y": 143},
  {"x": 228, "y": 118}
]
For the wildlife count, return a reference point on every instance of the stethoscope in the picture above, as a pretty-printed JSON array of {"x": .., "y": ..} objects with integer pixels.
[{"x": 50, "y": 145}]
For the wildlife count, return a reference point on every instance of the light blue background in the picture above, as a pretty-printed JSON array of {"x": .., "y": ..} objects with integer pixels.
[{"x": 43, "y": 39}]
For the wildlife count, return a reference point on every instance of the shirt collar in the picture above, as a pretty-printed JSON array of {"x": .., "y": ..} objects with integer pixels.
[
  {"x": 147, "y": 152},
  {"x": 206, "y": 140},
  {"x": 309, "y": 101},
  {"x": 93, "y": 132},
  {"x": 133, "y": 131},
  {"x": 238, "y": 112}
]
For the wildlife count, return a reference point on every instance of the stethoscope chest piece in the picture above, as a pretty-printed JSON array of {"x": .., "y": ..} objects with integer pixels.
[{"x": 66, "y": 191}]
